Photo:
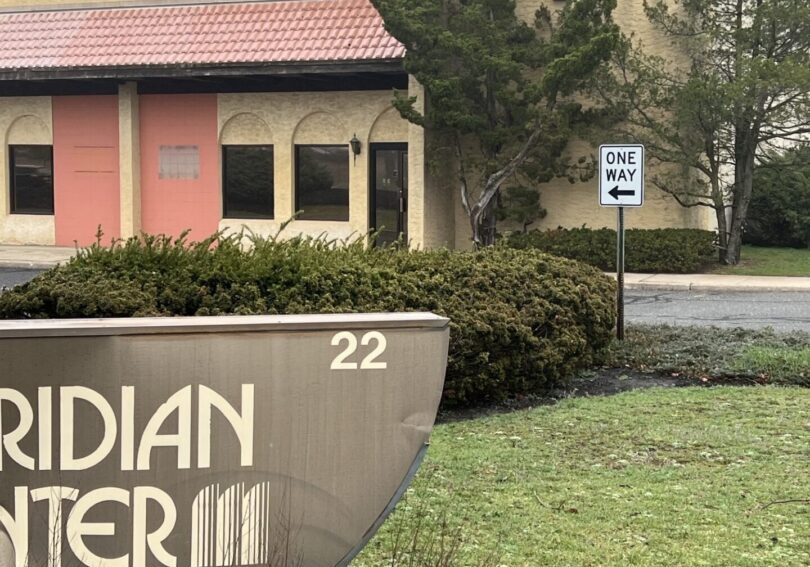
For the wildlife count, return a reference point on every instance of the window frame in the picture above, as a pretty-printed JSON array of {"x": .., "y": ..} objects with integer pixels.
[
  {"x": 373, "y": 147},
  {"x": 225, "y": 214},
  {"x": 296, "y": 184},
  {"x": 12, "y": 178}
]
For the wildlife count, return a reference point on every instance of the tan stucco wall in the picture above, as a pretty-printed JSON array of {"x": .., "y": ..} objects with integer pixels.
[
  {"x": 440, "y": 222},
  {"x": 24, "y": 120},
  {"x": 287, "y": 119},
  {"x": 438, "y": 208}
]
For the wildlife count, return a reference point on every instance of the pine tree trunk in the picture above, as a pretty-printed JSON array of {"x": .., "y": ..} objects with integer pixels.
[
  {"x": 489, "y": 225},
  {"x": 483, "y": 226},
  {"x": 483, "y": 232},
  {"x": 475, "y": 227}
]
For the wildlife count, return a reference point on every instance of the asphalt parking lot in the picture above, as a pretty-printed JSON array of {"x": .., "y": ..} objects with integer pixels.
[
  {"x": 784, "y": 311},
  {"x": 9, "y": 277}
]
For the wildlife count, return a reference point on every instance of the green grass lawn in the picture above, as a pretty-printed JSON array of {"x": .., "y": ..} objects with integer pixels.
[
  {"x": 669, "y": 477},
  {"x": 756, "y": 261}
]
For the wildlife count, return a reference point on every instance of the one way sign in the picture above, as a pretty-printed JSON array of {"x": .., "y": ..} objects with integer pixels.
[{"x": 621, "y": 175}]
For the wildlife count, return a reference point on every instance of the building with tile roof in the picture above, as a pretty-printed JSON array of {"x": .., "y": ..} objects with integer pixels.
[
  {"x": 201, "y": 38},
  {"x": 159, "y": 116}
]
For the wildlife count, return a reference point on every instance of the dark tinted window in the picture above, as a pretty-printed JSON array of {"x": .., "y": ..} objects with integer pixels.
[
  {"x": 322, "y": 182},
  {"x": 31, "y": 179},
  {"x": 247, "y": 182}
]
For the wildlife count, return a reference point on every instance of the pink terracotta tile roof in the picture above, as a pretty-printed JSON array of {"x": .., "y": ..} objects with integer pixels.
[{"x": 296, "y": 31}]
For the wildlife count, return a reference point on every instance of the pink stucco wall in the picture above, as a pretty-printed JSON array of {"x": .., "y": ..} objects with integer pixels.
[
  {"x": 171, "y": 204},
  {"x": 86, "y": 181}
]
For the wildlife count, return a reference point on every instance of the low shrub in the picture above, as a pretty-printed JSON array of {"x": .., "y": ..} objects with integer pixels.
[
  {"x": 664, "y": 250},
  {"x": 522, "y": 321}
]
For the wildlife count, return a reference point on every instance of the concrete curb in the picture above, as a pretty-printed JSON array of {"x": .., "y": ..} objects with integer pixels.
[
  {"x": 701, "y": 288},
  {"x": 659, "y": 287},
  {"x": 14, "y": 257},
  {"x": 717, "y": 283},
  {"x": 35, "y": 265}
]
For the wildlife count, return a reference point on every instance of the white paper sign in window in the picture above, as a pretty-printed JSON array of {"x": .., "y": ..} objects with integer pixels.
[{"x": 179, "y": 162}]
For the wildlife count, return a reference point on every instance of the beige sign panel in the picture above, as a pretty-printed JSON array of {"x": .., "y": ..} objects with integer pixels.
[{"x": 207, "y": 442}]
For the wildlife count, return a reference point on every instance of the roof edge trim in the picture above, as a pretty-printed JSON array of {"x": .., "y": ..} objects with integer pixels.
[{"x": 387, "y": 66}]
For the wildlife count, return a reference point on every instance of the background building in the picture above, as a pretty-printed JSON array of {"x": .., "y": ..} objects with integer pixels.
[{"x": 147, "y": 116}]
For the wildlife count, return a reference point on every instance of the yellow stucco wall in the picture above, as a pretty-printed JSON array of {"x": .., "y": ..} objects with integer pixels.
[
  {"x": 287, "y": 119},
  {"x": 440, "y": 222},
  {"x": 440, "y": 189},
  {"x": 24, "y": 120}
]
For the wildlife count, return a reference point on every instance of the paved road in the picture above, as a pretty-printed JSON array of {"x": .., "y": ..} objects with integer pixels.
[
  {"x": 10, "y": 277},
  {"x": 785, "y": 311}
]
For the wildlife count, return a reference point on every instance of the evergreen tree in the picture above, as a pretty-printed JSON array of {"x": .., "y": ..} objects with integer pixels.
[{"x": 502, "y": 95}]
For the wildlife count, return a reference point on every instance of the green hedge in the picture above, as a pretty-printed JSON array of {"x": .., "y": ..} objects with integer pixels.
[
  {"x": 522, "y": 321},
  {"x": 664, "y": 250}
]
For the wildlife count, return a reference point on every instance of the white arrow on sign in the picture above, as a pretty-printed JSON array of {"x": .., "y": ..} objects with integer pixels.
[{"x": 621, "y": 175}]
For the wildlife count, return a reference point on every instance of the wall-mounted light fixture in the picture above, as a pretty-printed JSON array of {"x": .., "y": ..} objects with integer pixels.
[{"x": 356, "y": 146}]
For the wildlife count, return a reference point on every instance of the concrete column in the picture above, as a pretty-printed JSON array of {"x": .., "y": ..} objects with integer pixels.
[
  {"x": 416, "y": 171},
  {"x": 284, "y": 157},
  {"x": 359, "y": 185},
  {"x": 129, "y": 148}
]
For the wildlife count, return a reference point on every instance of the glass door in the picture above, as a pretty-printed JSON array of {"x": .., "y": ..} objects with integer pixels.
[{"x": 389, "y": 192}]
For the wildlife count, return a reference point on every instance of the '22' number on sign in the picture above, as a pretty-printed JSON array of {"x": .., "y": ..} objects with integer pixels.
[{"x": 370, "y": 361}]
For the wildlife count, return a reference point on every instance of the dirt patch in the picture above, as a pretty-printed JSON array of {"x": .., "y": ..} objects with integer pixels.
[
  {"x": 601, "y": 382},
  {"x": 611, "y": 381}
]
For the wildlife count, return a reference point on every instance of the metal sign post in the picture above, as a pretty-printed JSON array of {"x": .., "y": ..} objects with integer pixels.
[
  {"x": 621, "y": 184},
  {"x": 620, "y": 275}
]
